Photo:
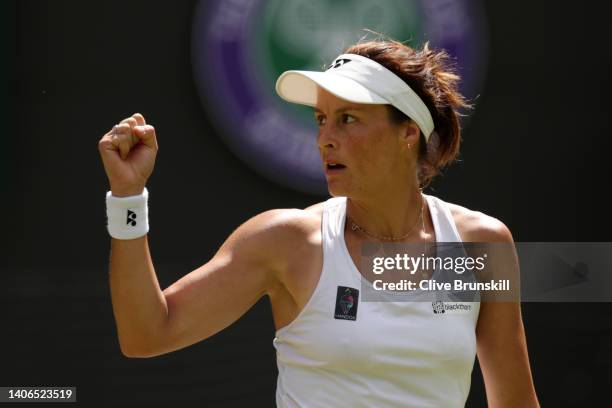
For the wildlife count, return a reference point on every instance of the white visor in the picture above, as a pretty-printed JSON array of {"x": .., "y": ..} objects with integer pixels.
[{"x": 356, "y": 79}]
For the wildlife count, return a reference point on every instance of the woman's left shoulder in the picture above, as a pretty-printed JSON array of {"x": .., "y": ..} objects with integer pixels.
[{"x": 476, "y": 226}]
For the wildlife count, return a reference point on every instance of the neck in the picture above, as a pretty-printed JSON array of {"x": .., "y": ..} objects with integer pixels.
[{"x": 391, "y": 212}]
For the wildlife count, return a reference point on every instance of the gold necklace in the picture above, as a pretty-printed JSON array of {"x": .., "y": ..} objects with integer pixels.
[{"x": 356, "y": 227}]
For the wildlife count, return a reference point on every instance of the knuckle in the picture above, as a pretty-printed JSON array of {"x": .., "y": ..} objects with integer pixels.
[
  {"x": 123, "y": 128},
  {"x": 104, "y": 144},
  {"x": 129, "y": 121}
]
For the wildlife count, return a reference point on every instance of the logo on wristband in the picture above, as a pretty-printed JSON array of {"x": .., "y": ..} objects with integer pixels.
[{"x": 131, "y": 218}]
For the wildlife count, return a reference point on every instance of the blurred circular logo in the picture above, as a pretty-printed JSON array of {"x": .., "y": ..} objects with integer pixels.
[{"x": 240, "y": 47}]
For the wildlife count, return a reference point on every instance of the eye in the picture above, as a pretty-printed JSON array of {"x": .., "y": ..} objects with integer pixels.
[
  {"x": 346, "y": 118},
  {"x": 320, "y": 119}
]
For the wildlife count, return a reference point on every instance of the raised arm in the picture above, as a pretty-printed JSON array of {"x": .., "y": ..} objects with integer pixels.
[{"x": 150, "y": 321}]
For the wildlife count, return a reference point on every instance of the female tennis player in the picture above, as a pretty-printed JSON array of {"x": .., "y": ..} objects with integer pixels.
[{"x": 388, "y": 121}]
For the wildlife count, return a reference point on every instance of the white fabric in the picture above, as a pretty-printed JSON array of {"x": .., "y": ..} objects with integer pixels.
[
  {"x": 395, "y": 354},
  {"x": 127, "y": 217},
  {"x": 357, "y": 79}
]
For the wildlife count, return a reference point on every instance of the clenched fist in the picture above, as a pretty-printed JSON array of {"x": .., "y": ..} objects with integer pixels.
[{"x": 128, "y": 153}]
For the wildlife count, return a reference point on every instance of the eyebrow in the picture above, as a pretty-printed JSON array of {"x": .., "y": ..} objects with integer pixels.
[{"x": 340, "y": 110}]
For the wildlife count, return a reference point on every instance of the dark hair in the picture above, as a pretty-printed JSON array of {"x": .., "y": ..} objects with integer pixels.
[{"x": 431, "y": 74}]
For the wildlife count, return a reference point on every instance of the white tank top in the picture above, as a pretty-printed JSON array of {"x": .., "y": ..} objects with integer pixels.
[{"x": 393, "y": 354}]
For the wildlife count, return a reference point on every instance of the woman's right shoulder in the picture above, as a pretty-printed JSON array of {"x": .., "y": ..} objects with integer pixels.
[
  {"x": 284, "y": 226},
  {"x": 290, "y": 221},
  {"x": 278, "y": 236}
]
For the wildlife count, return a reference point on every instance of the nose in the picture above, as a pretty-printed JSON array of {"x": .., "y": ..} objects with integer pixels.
[{"x": 326, "y": 137}]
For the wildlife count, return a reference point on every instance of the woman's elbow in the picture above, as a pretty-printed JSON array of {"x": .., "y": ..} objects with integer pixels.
[{"x": 138, "y": 349}]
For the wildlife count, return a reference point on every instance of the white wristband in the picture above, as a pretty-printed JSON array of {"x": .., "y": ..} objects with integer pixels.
[{"x": 127, "y": 216}]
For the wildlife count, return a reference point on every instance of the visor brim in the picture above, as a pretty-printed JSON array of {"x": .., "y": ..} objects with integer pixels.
[{"x": 301, "y": 87}]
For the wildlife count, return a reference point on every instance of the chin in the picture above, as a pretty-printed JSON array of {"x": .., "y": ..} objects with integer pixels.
[{"x": 337, "y": 190}]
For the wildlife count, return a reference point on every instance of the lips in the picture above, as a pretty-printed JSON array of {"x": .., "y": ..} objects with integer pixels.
[{"x": 334, "y": 166}]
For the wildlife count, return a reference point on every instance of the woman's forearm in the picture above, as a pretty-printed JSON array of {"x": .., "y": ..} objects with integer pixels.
[{"x": 139, "y": 305}]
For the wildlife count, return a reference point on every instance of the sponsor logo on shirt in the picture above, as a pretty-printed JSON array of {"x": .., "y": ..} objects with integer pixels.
[
  {"x": 347, "y": 300},
  {"x": 440, "y": 307}
]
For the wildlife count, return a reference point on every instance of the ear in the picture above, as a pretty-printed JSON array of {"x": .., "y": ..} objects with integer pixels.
[{"x": 410, "y": 134}]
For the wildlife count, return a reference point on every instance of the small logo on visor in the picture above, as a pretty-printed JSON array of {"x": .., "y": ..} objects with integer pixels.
[{"x": 340, "y": 62}]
